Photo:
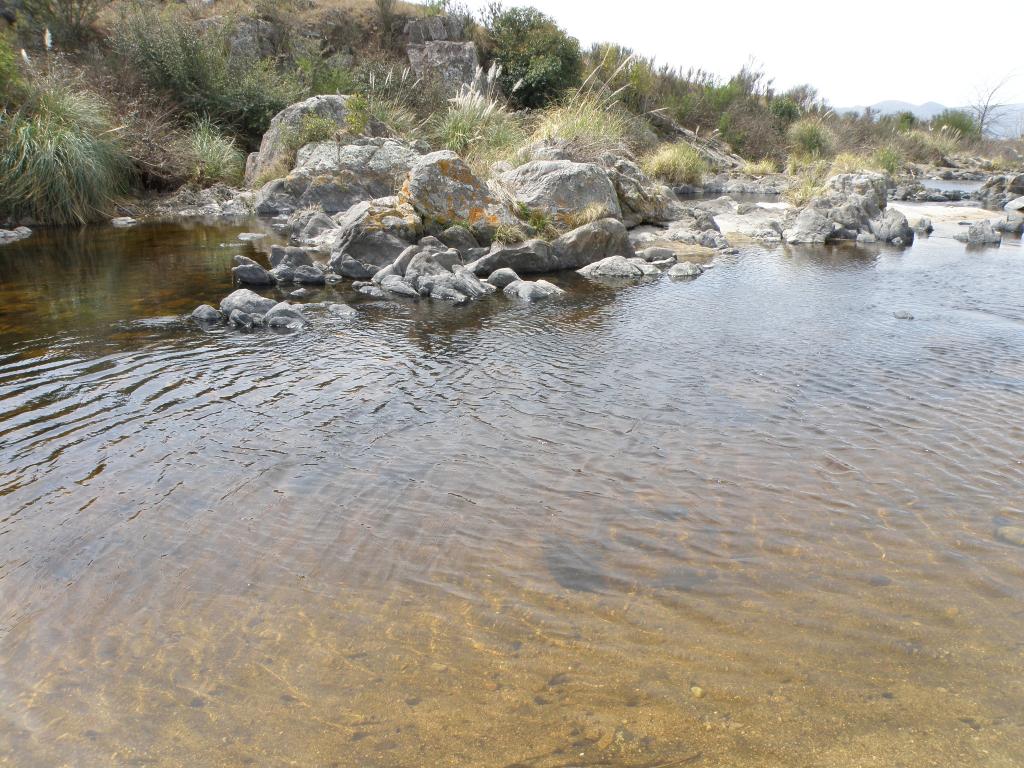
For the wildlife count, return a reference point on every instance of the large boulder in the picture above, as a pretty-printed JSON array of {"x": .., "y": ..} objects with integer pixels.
[
  {"x": 532, "y": 291},
  {"x": 852, "y": 206},
  {"x": 892, "y": 227},
  {"x": 592, "y": 242},
  {"x": 811, "y": 226},
  {"x": 445, "y": 192},
  {"x": 561, "y": 189},
  {"x": 452, "y": 64},
  {"x": 980, "y": 233},
  {"x": 333, "y": 177},
  {"x": 277, "y": 147}
]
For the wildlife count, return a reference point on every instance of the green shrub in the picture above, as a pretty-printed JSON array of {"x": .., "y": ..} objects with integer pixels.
[
  {"x": 60, "y": 158},
  {"x": 325, "y": 75},
  {"x": 933, "y": 146},
  {"x": 12, "y": 84},
  {"x": 888, "y": 159},
  {"x": 69, "y": 21},
  {"x": 539, "y": 60},
  {"x": 213, "y": 156},
  {"x": 811, "y": 138},
  {"x": 677, "y": 163},
  {"x": 785, "y": 109},
  {"x": 165, "y": 50},
  {"x": 956, "y": 120}
]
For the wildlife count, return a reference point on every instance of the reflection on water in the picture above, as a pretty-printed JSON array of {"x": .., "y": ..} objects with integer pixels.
[{"x": 748, "y": 520}]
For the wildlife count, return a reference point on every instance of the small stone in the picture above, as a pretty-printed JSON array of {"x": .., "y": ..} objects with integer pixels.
[
  {"x": 685, "y": 269},
  {"x": 122, "y": 222},
  {"x": 902, "y": 315},
  {"x": 1011, "y": 534},
  {"x": 697, "y": 691},
  {"x": 249, "y": 236}
]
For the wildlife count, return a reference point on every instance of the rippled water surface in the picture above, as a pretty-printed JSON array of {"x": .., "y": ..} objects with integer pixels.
[{"x": 749, "y": 520}]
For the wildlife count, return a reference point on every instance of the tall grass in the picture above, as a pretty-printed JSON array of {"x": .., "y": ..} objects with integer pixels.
[
  {"x": 60, "y": 158},
  {"x": 677, "y": 163},
  {"x": 385, "y": 99},
  {"x": 593, "y": 121},
  {"x": 214, "y": 157},
  {"x": 477, "y": 124}
]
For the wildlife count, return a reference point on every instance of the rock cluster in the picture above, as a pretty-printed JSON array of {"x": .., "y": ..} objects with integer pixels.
[
  {"x": 13, "y": 235},
  {"x": 245, "y": 310},
  {"x": 853, "y": 207}
]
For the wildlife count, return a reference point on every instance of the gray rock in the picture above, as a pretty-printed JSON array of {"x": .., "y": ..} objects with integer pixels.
[
  {"x": 13, "y": 235},
  {"x": 251, "y": 273},
  {"x": 590, "y": 243},
  {"x": 308, "y": 275},
  {"x": 283, "y": 275},
  {"x": 811, "y": 226},
  {"x": 980, "y": 233},
  {"x": 532, "y": 291},
  {"x": 499, "y": 278},
  {"x": 685, "y": 269},
  {"x": 373, "y": 291},
  {"x": 1011, "y": 225},
  {"x": 301, "y": 293},
  {"x": 314, "y": 226},
  {"x": 531, "y": 257},
  {"x": 924, "y": 226},
  {"x": 285, "y": 311},
  {"x": 656, "y": 253},
  {"x": 613, "y": 266},
  {"x": 459, "y": 238},
  {"x": 647, "y": 269},
  {"x": 902, "y": 315},
  {"x": 562, "y": 188},
  {"x": 640, "y": 199},
  {"x": 431, "y": 262},
  {"x": 346, "y": 266},
  {"x": 289, "y": 256},
  {"x": 248, "y": 237},
  {"x": 123, "y": 222},
  {"x": 240, "y": 319},
  {"x": 204, "y": 313},
  {"x": 439, "y": 27},
  {"x": 1017, "y": 204},
  {"x": 890, "y": 226},
  {"x": 398, "y": 286},
  {"x": 335, "y": 176},
  {"x": 340, "y": 310},
  {"x": 277, "y": 144},
  {"x": 872, "y": 185},
  {"x": 245, "y": 301}
]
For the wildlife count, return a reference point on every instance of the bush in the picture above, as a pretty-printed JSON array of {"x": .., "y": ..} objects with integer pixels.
[
  {"x": 214, "y": 157},
  {"x": 932, "y": 147},
  {"x": 166, "y": 51},
  {"x": 811, "y": 138},
  {"x": 809, "y": 183},
  {"x": 12, "y": 84},
  {"x": 69, "y": 21},
  {"x": 956, "y": 120},
  {"x": 784, "y": 109},
  {"x": 60, "y": 158},
  {"x": 889, "y": 159},
  {"x": 539, "y": 61},
  {"x": 677, "y": 163}
]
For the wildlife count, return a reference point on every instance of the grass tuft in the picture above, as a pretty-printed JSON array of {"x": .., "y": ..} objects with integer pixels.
[
  {"x": 677, "y": 163},
  {"x": 214, "y": 156},
  {"x": 60, "y": 158}
]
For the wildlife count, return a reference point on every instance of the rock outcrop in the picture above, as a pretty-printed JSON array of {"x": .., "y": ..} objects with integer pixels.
[
  {"x": 453, "y": 64},
  {"x": 852, "y": 207},
  {"x": 560, "y": 189}
]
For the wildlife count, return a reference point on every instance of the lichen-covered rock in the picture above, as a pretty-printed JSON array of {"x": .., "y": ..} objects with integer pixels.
[
  {"x": 561, "y": 189},
  {"x": 438, "y": 27},
  {"x": 872, "y": 185},
  {"x": 445, "y": 192},
  {"x": 592, "y": 242},
  {"x": 499, "y": 278},
  {"x": 812, "y": 226},
  {"x": 333, "y": 177},
  {"x": 373, "y": 232}
]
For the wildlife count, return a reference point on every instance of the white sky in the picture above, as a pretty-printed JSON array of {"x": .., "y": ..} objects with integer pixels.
[{"x": 853, "y": 53}]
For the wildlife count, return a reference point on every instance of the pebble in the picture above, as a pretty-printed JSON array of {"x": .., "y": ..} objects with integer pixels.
[
  {"x": 697, "y": 691},
  {"x": 247, "y": 236},
  {"x": 903, "y": 315},
  {"x": 1011, "y": 534}
]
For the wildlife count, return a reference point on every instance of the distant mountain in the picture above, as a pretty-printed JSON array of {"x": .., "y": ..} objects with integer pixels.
[{"x": 1009, "y": 126}]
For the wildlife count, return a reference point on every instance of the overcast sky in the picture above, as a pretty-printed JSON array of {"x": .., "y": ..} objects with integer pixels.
[{"x": 854, "y": 54}]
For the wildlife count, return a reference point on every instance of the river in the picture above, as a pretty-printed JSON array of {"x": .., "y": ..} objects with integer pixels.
[{"x": 747, "y": 520}]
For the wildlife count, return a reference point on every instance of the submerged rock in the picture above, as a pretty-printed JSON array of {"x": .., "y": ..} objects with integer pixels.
[
  {"x": 13, "y": 235},
  {"x": 123, "y": 222}
]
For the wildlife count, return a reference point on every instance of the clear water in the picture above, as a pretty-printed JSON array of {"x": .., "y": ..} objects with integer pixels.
[{"x": 748, "y": 520}]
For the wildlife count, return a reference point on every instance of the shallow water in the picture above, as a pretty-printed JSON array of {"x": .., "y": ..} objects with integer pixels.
[{"x": 748, "y": 520}]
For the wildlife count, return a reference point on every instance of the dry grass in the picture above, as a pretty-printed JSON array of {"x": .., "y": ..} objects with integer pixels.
[{"x": 677, "y": 163}]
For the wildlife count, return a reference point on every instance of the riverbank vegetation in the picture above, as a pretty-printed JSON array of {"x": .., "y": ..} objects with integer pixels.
[{"x": 102, "y": 98}]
